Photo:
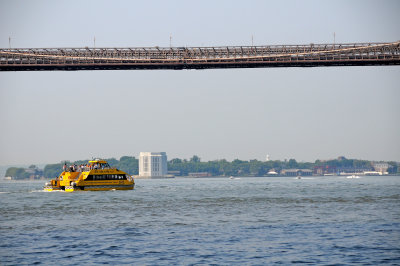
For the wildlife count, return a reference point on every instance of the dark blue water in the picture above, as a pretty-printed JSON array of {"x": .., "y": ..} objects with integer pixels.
[{"x": 252, "y": 221}]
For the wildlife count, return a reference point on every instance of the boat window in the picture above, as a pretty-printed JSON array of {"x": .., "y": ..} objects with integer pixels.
[{"x": 107, "y": 177}]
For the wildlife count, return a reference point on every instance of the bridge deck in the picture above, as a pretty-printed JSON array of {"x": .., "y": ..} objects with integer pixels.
[{"x": 312, "y": 55}]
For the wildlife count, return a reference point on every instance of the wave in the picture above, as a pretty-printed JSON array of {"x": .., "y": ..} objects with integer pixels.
[{"x": 306, "y": 178}]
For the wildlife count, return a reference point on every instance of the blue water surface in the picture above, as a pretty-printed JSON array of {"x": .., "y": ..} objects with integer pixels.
[{"x": 221, "y": 221}]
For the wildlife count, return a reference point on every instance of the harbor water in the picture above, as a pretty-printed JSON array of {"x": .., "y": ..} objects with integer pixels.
[{"x": 220, "y": 221}]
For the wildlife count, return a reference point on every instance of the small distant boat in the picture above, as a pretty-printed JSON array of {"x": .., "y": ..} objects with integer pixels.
[
  {"x": 298, "y": 177},
  {"x": 272, "y": 173},
  {"x": 353, "y": 176},
  {"x": 231, "y": 177}
]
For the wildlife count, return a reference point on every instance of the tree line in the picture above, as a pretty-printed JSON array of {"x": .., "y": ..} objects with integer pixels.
[
  {"x": 261, "y": 168},
  {"x": 19, "y": 173},
  {"x": 130, "y": 165}
]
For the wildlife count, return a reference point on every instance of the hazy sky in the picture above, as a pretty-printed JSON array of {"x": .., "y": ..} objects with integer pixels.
[{"x": 302, "y": 113}]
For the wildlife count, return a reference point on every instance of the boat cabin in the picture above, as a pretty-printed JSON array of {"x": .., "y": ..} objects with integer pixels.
[{"x": 99, "y": 164}]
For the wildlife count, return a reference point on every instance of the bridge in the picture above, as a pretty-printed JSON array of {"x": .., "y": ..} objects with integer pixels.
[{"x": 311, "y": 55}]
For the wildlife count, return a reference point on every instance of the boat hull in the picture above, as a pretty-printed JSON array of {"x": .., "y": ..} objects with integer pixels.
[
  {"x": 50, "y": 189},
  {"x": 90, "y": 188}
]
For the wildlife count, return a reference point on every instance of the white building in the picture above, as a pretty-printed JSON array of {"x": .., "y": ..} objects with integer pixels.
[
  {"x": 153, "y": 164},
  {"x": 381, "y": 168}
]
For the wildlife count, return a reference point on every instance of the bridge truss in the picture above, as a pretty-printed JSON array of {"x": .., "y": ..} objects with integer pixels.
[{"x": 312, "y": 55}]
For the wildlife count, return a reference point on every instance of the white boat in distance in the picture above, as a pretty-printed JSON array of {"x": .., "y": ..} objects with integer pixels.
[{"x": 353, "y": 176}]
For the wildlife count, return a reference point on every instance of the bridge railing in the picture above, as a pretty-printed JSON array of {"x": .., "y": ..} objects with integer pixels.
[{"x": 191, "y": 57}]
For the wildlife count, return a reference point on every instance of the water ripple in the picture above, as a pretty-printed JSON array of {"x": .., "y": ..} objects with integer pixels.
[{"x": 252, "y": 221}]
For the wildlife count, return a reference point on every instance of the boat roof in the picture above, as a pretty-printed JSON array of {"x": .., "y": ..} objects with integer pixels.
[{"x": 98, "y": 161}]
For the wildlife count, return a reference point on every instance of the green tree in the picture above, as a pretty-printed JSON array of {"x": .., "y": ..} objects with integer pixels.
[
  {"x": 112, "y": 161},
  {"x": 195, "y": 159},
  {"x": 175, "y": 161},
  {"x": 53, "y": 170},
  {"x": 129, "y": 165},
  {"x": 292, "y": 163},
  {"x": 17, "y": 173},
  {"x": 12, "y": 171}
]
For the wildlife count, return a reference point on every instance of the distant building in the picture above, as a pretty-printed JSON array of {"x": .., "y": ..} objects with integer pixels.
[
  {"x": 352, "y": 170},
  {"x": 153, "y": 165},
  {"x": 200, "y": 174},
  {"x": 174, "y": 173},
  {"x": 325, "y": 170},
  {"x": 373, "y": 173},
  {"x": 296, "y": 172},
  {"x": 381, "y": 168}
]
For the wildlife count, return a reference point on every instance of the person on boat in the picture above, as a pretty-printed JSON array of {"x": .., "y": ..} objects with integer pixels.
[{"x": 65, "y": 167}]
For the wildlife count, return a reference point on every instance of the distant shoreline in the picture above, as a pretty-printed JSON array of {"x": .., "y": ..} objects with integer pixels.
[
  {"x": 210, "y": 177},
  {"x": 195, "y": 168}
]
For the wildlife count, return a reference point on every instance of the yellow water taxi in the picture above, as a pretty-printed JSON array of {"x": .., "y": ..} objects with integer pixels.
[{"x": 96, "y": 175}]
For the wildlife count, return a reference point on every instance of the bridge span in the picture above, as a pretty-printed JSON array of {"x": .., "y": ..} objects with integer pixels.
[{"x": 311, "y": 55}]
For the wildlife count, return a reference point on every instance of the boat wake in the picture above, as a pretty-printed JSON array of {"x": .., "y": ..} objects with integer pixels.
[{"x": 43, "y": 190}]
